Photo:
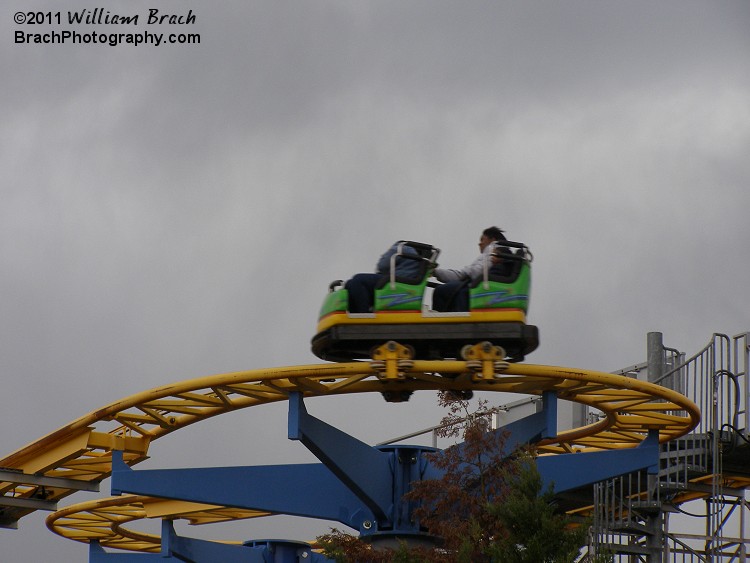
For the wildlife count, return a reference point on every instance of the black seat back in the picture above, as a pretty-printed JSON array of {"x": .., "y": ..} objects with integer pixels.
[
  {"x": 426, "y": 255},
  {"x": 508, "y": 270}
]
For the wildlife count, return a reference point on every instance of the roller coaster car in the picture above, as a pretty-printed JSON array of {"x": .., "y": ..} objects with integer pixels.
[{"x": 497, "y": 311}]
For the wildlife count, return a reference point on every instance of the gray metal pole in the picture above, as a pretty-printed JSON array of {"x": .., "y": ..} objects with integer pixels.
[
  {"x": 655, "y": 522},
  {"x": 655, "y": 351}
]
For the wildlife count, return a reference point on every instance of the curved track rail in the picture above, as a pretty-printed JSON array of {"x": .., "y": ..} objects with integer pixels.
[{"x": 82, "y": 450}]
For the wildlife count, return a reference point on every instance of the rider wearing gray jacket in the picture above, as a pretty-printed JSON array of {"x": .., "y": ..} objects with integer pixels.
[{"x": 453, "y": 295}]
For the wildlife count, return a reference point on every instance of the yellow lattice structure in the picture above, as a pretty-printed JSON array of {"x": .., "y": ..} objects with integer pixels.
[{"x": 82, "y": 450}]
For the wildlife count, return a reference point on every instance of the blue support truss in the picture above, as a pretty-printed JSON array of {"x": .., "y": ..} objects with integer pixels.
[
  {"x": 358, "y": 485},
  {"x": 565, "y": 472},
  {"x": 308, "y": 490}
]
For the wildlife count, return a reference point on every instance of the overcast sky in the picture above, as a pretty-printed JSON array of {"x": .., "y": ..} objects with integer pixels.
[{"x": 178, "y": 211}]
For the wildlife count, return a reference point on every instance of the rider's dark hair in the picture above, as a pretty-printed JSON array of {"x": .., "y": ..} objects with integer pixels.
[{"x": 494, "y": 233}]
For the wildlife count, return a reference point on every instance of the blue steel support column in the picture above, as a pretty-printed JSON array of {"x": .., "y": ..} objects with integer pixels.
[
  {"x": 410, "y": 465},
  {"x": 549, "y": 407}
]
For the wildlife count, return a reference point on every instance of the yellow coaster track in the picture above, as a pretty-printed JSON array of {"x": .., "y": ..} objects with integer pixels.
[{"x": 82, "y": 450}]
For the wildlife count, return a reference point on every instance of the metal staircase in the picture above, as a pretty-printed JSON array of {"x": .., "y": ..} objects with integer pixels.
[{"x": 694, "y": 508}]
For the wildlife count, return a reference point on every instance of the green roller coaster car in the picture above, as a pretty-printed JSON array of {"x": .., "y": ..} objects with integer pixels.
[{"x": 498, "y": 304}]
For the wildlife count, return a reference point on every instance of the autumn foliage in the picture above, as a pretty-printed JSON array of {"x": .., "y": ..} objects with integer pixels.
[{"x": 486, "y": 507}]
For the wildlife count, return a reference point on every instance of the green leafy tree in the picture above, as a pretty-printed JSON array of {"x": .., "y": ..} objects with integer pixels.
[{"x": 534, "y": 532}]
